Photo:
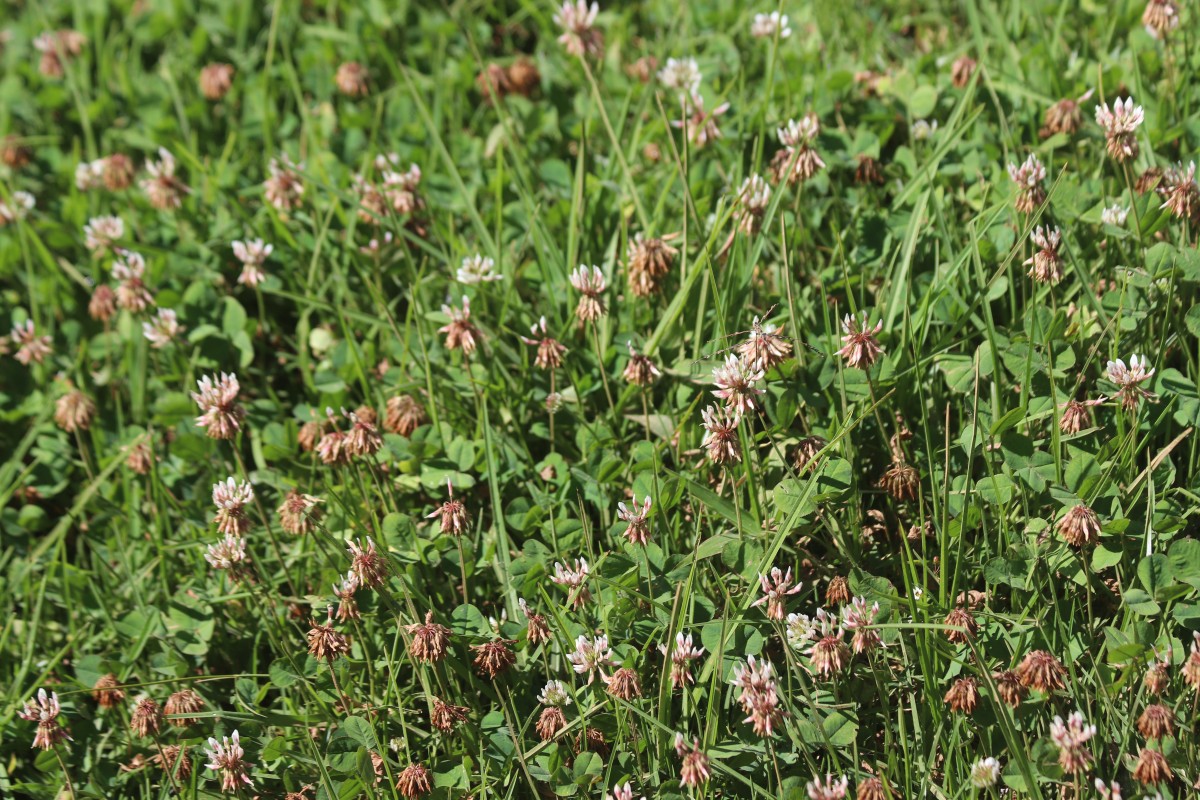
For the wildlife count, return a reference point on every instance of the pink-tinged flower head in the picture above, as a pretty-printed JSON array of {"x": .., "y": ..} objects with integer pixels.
[
  {"x": 549, "y": 350},
  {"x": 162, "y": 329},
  {"x": 1182, "y": 192},
  {"x": 829, "y": 652},
  {"x": 765, "y": 348},
  {"x": 101, "y": 233},
  {"x": 623, "y": 792},
  {"x": 252, "y": 253},
  {"x": 1159, "y": 18},
  {"x": 1077, "y": 415},
  {"x": 752, "y": 200},
  {"x": 229, "y": 760},
  {"x": 700, "y": 126},
  {"x": 591, "y": 286},
  {"x": 537, "y": 630},
  {"x": 590, "y": 657},
  {"x": 1120, "y": 126},
  {"x": 720, "y": 435},
  {"x": 860, "y": 618},
  {"x": 735, "y": 381},
  {"x": 45, "y": 710},
  {"x": 400, "y": 188},
  {"x": 284, "y": 187},
  {"x": 859, "y": 347},
  {"x": 829, "y": 789},
  {"x": 1028, "y": 177},
  {"x": 221, "y": 415},
  {"x": 682, "y": 656},
  {"x": 759, "y": 696},
  {"x": 1129, "y": 380},
  {"x": 130, "y": 269},
  {"x": 694, "y": 771},
  {"x": 641, "y": 370},
  {"x": 231, "y": 499},
  {"x": 1071, "y": 739},
  {"x": 1045, "y": 266},
  {"x": 227, "y": 554},
  {"x": 638, "y": 528},
  {"x": 22, "y": 204},
  {"x": 1108, "y": 791},
  {"x": 163, "y": 189},
  {"x": 460, "y": 332},
  {"x": 452, "y": 514},
  {"x": 798, "y": 160},
  {"x": 775, "y": 589},
  {"x": 577, "y": 20},
  {"x": 575, "y": 580},
  {"x": 30, "y": 346},
  {"x": 345, "y": 592},
  {"x": 368, "y": 564}
]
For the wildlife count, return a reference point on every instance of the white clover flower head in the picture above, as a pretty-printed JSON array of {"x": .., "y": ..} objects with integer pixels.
[
  {"x": 477, "y": 269},
  {"x": 924, "y": 129},
  {"x": 1114, "y": 215},
  {"x": 100, "y": 233},
  {"x": 801, "y": 133},
  {"x": 1029, "y": 174},
  {"x": 591, "y": 656},
  {"x": 554, "y": 693},
  {"x": 985, "y": 773},
  {"x": 766, "y": 26},
  {"x": 162, "y": 329},
  {"x": 681, "y": 74},
  {"x": 252, "y": 252},
  {"x": 1123, "y": 118}
]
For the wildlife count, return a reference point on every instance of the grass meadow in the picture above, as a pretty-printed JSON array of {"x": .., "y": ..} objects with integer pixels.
[{"x": 665, "y": 400}]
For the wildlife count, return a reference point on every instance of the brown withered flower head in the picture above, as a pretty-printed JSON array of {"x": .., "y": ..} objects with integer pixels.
[
  {"x": 643, "y": 69},
  {"x": 1191, "y": 666},
  {"x": 807, "y": 450},
  {"x": 147, "y": 717},
  {"x": 103, "y": 305},
  {"x": 181, "y": 706},
  {"x": 494, "y": 657},
  {"x": 720, "y": 435},
  {"x": 460, "y": 332},
  {"x": 108, "y": 692},
  {"x": 550, "y": 723},
  {"x": 58, "y": 48},
  {"x": 216, "y": 80},
  {"x": 1160, "y": 17},
  {"x": 1079, "y": 526},
  {"x": 1158, "y": 676},
  {"x": 414, "y": 782},
  {"x": 591, "y": 285},
  {"x": 765, "y": 347},
  {"x": 74, "y": 411},
  {"x": 117, "y": 172},
  {"x": 298, "y": 512},
  {"x": 452, "y": 514},
  {"x": 867, "y": 171},
  {"x": 623, "y": 684},
  {"x": 351, "y": 79},
  {"x": 324, "y": 642},
  {"x": 1152, "y": 768},
  {"x": 345, "y": 592},
  {"x": 404, "y": 414},
  {"x": 963, "y": 695},
  {"x": 284, "y": 186},
  {"x": 1042, "y": 671},
  {"x": 537, "y": 630},
  {"x": 173, "y": 760},
  {"x": 872, "y": 788},
  {"x": 14, "y": 154},
  {"x": 859, "y": 346},
  {"x": 1064, "y": 116},
  {"x": 1182, "y": 192},
  {"x": 430, "y": 640},
  {"x": 641, "y": 370},
  {"x": 549, "y": 350},
  {"x": 1156, "y": 722},
  {"x": 492, "y": 83},
  {"x": 900, "y": 481},
  {"x": 961, "y": 71},
  {"x": 1045, "y": 266},
  {"x": 445, "y": 717},
  {"x": 1151, "y": 179},
  {"x": 960, "y": 618},
  {"x": 363, "y": 438},
  {"x": 1077, "y": 415},
  {"x": 140, "y": 458},
  {"x": 523, "y": 77},
  {"x": 367, "y": 563},
  {"x": 1009, "y": 687},
  {"x": 648, "y": 261},
  {"x": 837, "y": 592}
]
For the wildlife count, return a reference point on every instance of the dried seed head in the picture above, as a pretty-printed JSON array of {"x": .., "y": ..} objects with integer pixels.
[
  {"x": 430, "y": 640},
  {"x": 640, "y": 371},
  {"x": 1160, "y": 17},
  {"x": 404, "y": 415},
  {"x": 414, "y": 782},
  {"x": 216, "y": 80},
  {"x": 103, "y": 305},
  {"x": 324, "y": 642},
  {"x": 284, "y": 186},
  {"x": 117, "y": 172},
  {"x": 351, "y": 79},
  {"x": 181, "y": 705},
  {"x": 173, "y": 760},
  {"x": 807, "y": 450},
  {"x": 298, "y": 512},
  {"x": 147, "y": 718},
  {"x": 837, "y": 592},
  {"x": 460, "y": 332},
  {"x": 368, "y": 564},
  {"x": 493, "y": 658},
  {"x": 549, "y": 350},
  {"x": 901, "y": 481},
  {"x": 108, "y": 692},
  {"x": 1064, "y": 116},
  {"x": 1042, "y": 671},
  {"x": 492, "y": 83},
  {"x": 74, "y": 411},
  {"x": 648, "y": 262},
  {"x": 591, "y": 286},
  {"x": 551, "y": 723},
  {"x": 1009, "y": 687},
  {"x": 1152, "y": 768},
  {"x": 624, "y": 684},
  {"x": 720, "y": 435},
  {"x": 961, "y": 618},
  {"x": 963, "y": 695},
  {"x": 445, "y": 717},
  {"x": 1156, "y": 722},
  {"x": 872, "y": 789},
  {"x": 1045, "y": 266},
  {"x": 1079, "y": 526},
  {"x": 859, "y": 346},
  {"x": 961, "y": 71},
  {"x": 1158, "y": 677},
  {"x": 523, "y": 77}
]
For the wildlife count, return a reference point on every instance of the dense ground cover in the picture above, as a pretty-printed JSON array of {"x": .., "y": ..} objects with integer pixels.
[{"x": 505, "y": 400}]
